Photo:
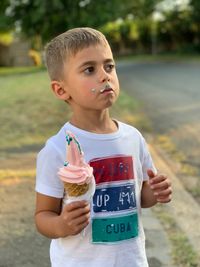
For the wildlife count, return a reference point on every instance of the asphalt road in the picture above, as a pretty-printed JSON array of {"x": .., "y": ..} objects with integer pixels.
[{"x": 170, "y": 93}]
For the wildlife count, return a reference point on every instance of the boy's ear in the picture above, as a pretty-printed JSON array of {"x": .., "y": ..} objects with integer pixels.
[{"x": 59, "y": 91}]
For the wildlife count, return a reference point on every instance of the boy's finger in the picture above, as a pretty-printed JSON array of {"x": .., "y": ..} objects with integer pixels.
[
  {"x": 80, "y": 212},
  {"x": 75, "y": 205},
  {"x": 151, "y": 173}
]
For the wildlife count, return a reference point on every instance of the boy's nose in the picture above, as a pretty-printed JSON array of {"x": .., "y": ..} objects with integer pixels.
[{"x": 104, "y": 76}]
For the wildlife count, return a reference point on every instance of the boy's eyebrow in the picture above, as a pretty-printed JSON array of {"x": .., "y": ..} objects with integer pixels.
[{"x": 93, "y": 62}]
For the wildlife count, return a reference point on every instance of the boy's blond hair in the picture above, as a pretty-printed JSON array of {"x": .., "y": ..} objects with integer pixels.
[{"x": 68, "y": 44}]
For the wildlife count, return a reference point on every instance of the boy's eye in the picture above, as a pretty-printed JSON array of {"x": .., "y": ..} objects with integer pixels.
[
  {"x": 89, "y": 70},
  {"x": 109, "y": 67}
]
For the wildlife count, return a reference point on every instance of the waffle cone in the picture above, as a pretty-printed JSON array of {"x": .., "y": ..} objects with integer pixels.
[{"x": 75, "y": 190}]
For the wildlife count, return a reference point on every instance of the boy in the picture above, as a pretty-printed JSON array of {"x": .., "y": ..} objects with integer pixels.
[{"x": 82, "y": 72}]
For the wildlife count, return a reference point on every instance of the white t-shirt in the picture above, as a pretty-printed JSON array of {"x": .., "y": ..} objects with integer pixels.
[{"x": 114, "y": 237}]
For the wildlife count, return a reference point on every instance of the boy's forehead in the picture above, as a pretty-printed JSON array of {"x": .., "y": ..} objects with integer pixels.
[{"x": 94, "y": 53}]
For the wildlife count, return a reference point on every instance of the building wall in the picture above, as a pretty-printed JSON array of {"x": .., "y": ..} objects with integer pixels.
[{"x": 15, "y": 54}]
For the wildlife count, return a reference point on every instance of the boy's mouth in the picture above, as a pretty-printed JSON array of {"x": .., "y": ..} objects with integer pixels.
[{"x": 106, "y": 88}]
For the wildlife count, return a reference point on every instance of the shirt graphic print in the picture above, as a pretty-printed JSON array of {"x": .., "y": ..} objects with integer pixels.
[{"x": 115, "y": 215}]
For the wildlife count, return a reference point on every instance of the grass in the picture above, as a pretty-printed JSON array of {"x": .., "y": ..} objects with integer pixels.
[
  {"x": 188, "y": 174},
  {"x": 189, "y": 58},
  {"x": 167, "y": 145},
  {"x": 13, "y": 174},
  {"x": 29, "y": 112},
  {"x": 6, "y": 71},
  {"x": 182, "y": 251}
]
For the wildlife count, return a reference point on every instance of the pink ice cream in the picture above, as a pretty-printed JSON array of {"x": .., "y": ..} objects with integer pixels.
[
  {"x": 76, "y": 174},
  {"x": 76, "y": 170}
]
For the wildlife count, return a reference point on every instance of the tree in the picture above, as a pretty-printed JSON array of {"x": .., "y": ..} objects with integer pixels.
[
  {"x": 142, "y": 9},
  {"x": 5, "y": 22},
  {"x": 195, "y": 17},
  {"x": 48, "y": 18}
]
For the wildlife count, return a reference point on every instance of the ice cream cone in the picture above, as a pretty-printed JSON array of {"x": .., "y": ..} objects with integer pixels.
[{"x": 75, "y": 190}]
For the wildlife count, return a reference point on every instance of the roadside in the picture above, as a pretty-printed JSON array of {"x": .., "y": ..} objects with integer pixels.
[
  {"x": 20, "y": 244},
  {"x": 180, "y": 218},
  {"x": 158, "y": 246}
]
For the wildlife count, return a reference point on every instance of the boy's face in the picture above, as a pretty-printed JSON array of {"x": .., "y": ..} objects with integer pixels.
[{"x": 86, "y": 74}]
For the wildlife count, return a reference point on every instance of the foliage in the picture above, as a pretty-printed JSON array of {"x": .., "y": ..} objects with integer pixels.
[
  {"x": 50, "y": 17},
  {"x": 111, "y": 31},
  {"x": 195, "y": 20},
  {"x": 195, "y": 10},
  {"x": 5, "y": 21},
  {"x": 129, "y": 35},
  {"x": 179, "y": 31},
  {"x": 142, "y": 9},
  {"x": 6, "y": 38},
  {"x": 128, "y": 24}
]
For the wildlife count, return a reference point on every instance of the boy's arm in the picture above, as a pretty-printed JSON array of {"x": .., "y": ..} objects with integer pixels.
[
  {"x": 54, "y": 222},
  {"x": 157, "y": 189}
]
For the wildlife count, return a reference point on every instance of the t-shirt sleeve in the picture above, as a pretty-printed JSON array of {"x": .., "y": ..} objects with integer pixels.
[
  {"x": 49, "y": 160},
  {"x": 147, "y": 162}
]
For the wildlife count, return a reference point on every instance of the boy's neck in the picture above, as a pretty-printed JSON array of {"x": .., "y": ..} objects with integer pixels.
[{"x": 95, "y": 122}]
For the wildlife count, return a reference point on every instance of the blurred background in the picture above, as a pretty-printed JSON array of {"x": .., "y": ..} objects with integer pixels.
[
  {"x": 156, "y": 44},
  {"x": 132, "y": 27}
]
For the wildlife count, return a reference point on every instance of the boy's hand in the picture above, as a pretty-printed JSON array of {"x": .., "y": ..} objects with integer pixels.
[
  {"x": 74, "y": 218},
  {"x": 161, "y": 186}
]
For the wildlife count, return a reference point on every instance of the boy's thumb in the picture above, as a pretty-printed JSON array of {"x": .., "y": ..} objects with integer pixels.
[{"x": 150, "y": 173}]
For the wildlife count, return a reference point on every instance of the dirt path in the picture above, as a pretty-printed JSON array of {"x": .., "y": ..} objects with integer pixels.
[{"x": 20, "y": 244}]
